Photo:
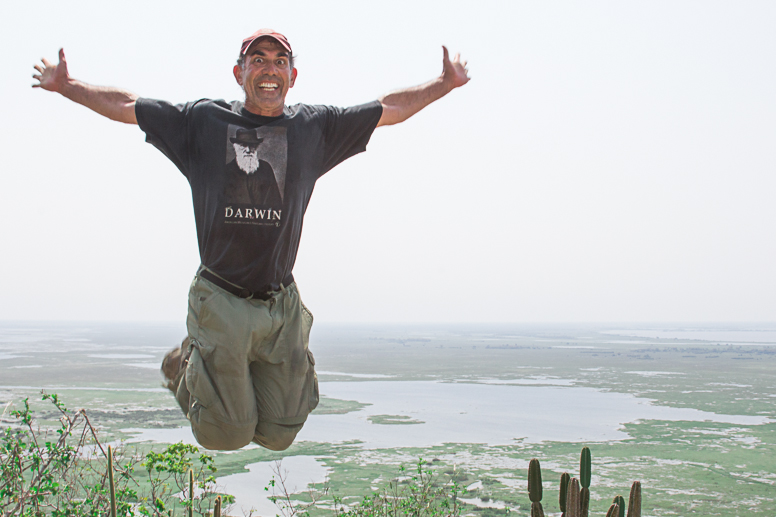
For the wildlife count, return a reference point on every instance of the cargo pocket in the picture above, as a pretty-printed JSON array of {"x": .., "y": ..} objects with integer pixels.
[{"x": 200, "y": 386}]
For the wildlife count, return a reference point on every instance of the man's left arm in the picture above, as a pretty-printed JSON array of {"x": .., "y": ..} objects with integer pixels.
[{"x": 401, "y": 105}]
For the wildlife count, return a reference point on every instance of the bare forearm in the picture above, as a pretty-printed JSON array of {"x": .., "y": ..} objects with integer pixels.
[
  {"x": 400, "y": 105},
  {"x": 114, "y": 103}
]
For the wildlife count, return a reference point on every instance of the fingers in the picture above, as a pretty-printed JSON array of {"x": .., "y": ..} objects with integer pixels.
[
  {"x": 45, "y": 62},
  {"x": 456, "y": 66},
  {"x": 61, "y": 55},
  {"x": 38, "y": 68}
]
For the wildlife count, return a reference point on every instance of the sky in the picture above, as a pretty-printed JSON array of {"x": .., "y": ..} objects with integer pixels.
[{"x": 609, "y": 161}]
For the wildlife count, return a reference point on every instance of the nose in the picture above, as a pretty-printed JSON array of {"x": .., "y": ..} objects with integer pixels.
[{"x": 271, "y": 68}]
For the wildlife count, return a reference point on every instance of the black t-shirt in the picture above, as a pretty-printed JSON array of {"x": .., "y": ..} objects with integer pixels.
[{"x": 252, "y": 177}]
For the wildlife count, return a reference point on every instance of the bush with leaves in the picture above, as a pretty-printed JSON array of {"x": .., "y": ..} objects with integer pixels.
[
  {"x": 57, "y": 471},
  {"x": 63, "y": 471},
  {"x": 168, "y": 475}
]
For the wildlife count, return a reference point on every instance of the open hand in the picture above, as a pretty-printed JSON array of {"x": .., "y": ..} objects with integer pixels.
[
  {"x": 51, "y": 77},
  {"x": 454, "y": 72}
]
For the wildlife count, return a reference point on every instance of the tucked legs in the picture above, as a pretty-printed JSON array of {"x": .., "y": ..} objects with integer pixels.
[{"x": 249, "y": 375}]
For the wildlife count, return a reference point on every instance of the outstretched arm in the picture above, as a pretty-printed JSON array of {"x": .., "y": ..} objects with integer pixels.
[
  {"x": 401, "y": 105},
  {"x": 114, "y": 103}
]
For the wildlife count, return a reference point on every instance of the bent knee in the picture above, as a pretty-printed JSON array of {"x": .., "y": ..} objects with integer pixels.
[
  {"x": 276, "y": 437},
  {"x": 220, "y": 436}
]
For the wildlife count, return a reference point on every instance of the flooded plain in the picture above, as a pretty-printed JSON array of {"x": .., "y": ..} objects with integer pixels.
[
  {"x": 687, "y": 409},
  {"x": 470, "y": 412}
]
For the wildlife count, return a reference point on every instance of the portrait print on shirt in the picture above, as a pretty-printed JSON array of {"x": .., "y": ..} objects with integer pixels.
[{"x": 255, "y": 175}]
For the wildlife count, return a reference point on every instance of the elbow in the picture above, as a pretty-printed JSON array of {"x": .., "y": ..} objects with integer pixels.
[
  {"x": 391, "y": 115},
  {"x": 126, "y": 113}
]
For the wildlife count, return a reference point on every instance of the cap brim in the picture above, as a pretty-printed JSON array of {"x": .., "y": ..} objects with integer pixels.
[{"x": 248, "y": 42}]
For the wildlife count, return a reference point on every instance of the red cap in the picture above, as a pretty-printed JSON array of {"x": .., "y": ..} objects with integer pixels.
[{"x": 264, "y": 33}]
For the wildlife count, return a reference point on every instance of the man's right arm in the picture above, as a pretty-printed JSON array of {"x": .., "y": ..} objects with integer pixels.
[{"x": 114, "y": 103}]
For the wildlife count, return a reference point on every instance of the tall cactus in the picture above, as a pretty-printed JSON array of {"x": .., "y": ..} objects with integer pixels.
[
  {"x": 217, "y": 507},
  {"x": 634, "y": 501},
  {"x": 584, "y": 502},
  {"x": 564, "y": 486},
  {"x": 191, "y": 493},
  {"x": 572, "y": 498},
  {"x": 620, "y": 502},
  {"x": 585, "y": 469},
  {"x": 535, "y": 488}
]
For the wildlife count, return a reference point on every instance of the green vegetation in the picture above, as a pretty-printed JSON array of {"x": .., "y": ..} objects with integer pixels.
[
  {"x": 67, "y": 472},
  {"x": 327, "y": 406}
]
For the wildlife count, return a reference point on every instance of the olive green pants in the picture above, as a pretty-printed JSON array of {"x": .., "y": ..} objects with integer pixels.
[{"x": 250, "y": 376}]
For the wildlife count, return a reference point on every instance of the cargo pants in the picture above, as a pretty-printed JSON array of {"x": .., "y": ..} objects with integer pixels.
[{"x": 250, "y": 375}]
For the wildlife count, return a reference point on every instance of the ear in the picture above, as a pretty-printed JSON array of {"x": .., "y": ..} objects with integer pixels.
[
  {"x": 293, "y": 78},
  {"x": 238, "y": 74}
]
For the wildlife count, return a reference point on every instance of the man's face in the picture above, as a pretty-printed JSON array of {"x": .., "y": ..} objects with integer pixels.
[{"x": 265, "y": 76}]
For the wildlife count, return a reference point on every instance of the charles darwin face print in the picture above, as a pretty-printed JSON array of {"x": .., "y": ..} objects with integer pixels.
[{"x": 255, "y": 166}]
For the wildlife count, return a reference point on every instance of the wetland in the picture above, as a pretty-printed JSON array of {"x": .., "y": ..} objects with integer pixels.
[{"x": 686, "y": 409}]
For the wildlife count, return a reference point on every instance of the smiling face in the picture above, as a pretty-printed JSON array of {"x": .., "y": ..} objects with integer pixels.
[{"x": 265, "y": 76}]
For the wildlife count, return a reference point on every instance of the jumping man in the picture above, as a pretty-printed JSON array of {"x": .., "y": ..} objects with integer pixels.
[{"x": 245, "y": 373}]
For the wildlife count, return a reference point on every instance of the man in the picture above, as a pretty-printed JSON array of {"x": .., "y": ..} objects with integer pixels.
[{"x": 245, "y": 373}]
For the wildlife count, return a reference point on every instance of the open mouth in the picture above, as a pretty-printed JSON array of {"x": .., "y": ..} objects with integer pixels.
[{"x": 268, "y": 87}]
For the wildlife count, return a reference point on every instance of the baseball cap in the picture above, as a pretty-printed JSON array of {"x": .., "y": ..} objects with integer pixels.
[{"x": 264, "y": 33}]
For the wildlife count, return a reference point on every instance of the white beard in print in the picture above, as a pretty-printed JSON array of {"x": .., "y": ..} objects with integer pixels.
[{"x": 247, "y": 158}]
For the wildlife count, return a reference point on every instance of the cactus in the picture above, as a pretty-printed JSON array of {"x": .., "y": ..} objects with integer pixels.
[
  {"x": 111, "y": 483},
  {"x": 620, "y": 501},
  {"x": 584, "y": 502},
  {"x": 572, "y": 499},
  {"x": 574, "y": 496},
  {"x": 564, "y": 486},
  {"x": 536, "y": 509},
  {"x": 217, "y": 507},
  {"x": 534, "y": 481},
  {"x": 535, "y": 488},
  {"x": 191, "y": 493},
  {"x": 584, "y": 468},
  {"x": 634, "y": 501}
]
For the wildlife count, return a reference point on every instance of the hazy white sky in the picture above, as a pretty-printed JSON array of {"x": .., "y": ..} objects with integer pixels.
[{"x": 609, "y": 160}]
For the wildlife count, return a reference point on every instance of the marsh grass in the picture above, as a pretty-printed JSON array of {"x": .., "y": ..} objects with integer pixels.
[{"x": 419, "y": 491}]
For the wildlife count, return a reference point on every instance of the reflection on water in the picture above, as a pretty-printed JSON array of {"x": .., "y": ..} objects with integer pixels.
[
  {"x": 476, "y": 413},
  {"x": 490, "y": 503},
  {"x": 248, "y": 488}
]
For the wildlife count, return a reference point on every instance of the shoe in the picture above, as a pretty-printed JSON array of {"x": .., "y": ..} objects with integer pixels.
[{"x": 174, "y": 364}]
